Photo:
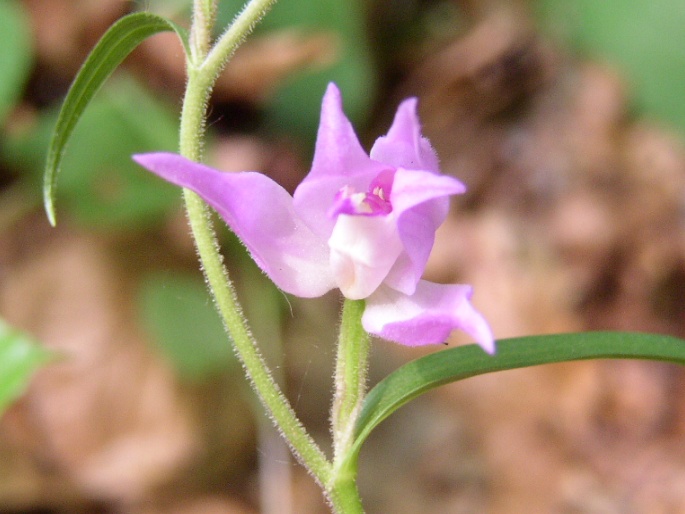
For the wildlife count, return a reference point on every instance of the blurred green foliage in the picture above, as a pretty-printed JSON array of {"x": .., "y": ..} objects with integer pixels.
[
  {"x": 15, "y": 54},
  {"x": 178, "y": 313},
  {"x": 294, "y": 109},
  {"x": 20, "y": 357},
  {"x": 646, "y": 39},
  {"x": 99, "y": 184}
]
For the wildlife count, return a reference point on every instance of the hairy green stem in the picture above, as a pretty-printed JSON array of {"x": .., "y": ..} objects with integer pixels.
[
  {"x": 350, "y": 389},
  {"x": 204, "y": 14},
  {"x": 202, "y": 73},
  {"x": 350, "y": 376},
  {"x": 345, "y": 496},
  {"x": 236, "y": 33}
]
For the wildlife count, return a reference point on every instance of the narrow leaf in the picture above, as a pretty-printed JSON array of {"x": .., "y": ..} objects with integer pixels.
[
  {"x": 20, "y": 357},
  {"x": 117, "y": 43},
  {"x": 440, "y": 368}
]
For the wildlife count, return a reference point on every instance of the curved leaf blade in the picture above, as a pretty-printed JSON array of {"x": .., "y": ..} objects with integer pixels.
[
  {"x": 20, "y": 357},
  {"x": 114, "y": 46},
  {"x": 440, "y": 368}
]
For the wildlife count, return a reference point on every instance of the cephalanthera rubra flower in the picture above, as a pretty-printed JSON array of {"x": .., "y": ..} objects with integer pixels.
[{"x": 362, "y": 223}]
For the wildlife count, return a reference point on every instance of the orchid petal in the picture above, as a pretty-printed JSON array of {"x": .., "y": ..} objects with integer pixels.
[
  {"x": 339, "y": 161},
  {"x": 426, "y": 317},
  {"x": 338, "y": 151},
  {"x": 419, "y": 200},
  {"x": 363, "y": 250},
  {"x": 403, "y": 146},
  {"x": 261, "y": 214},
  {"x": 414, "y": 187}
]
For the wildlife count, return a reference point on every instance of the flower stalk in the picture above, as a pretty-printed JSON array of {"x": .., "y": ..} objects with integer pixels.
[
  {"x": 204, "y": 15},
  {"x": 202, "y": 72},
  {"x": 350, "y": 377},
  {"x": 351, "y": 370}
]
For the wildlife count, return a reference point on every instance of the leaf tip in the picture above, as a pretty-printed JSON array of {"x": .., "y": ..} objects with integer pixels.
[{"x": 50, "y": 209}]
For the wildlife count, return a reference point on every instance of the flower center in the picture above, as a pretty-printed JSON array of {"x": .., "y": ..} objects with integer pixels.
[
  {"x": 375, "y": 202},
  {"x": 364, "y": 242}
]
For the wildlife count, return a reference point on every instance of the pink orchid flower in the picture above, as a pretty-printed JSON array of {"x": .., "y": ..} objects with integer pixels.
[{"x": 362, "y": 223}]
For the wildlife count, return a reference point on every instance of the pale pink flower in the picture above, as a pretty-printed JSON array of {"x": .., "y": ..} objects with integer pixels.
[{"x": 364, "y": 224}]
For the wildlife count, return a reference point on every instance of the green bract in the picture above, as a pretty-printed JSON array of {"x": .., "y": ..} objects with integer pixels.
[
  {"x": 111, "y": 50},
  {"x": 431, "y": 371}
]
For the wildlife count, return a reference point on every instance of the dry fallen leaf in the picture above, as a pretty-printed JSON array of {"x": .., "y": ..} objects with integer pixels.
[{"x": 108, "y": 416}]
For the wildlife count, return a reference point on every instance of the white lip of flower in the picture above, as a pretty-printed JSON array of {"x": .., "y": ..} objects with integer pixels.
[
  {"x": 363, "y": 250},
  {"x": 364, "y": 244}
]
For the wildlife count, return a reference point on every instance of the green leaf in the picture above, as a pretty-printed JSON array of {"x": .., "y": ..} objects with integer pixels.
[
  {"x": 440, "y": 368},
  {"x": 121, "y": 38},
  {"x": 178, "y": 313},
  {"x": 15, "y": 54},
  {"x": 20, "y": 357}
]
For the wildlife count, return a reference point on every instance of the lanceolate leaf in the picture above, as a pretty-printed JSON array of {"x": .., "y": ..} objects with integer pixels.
[
  {"x": 117, "y": 43},
  {"x": 20, "y": 356},
  {"x": 440, "y": 368}
]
